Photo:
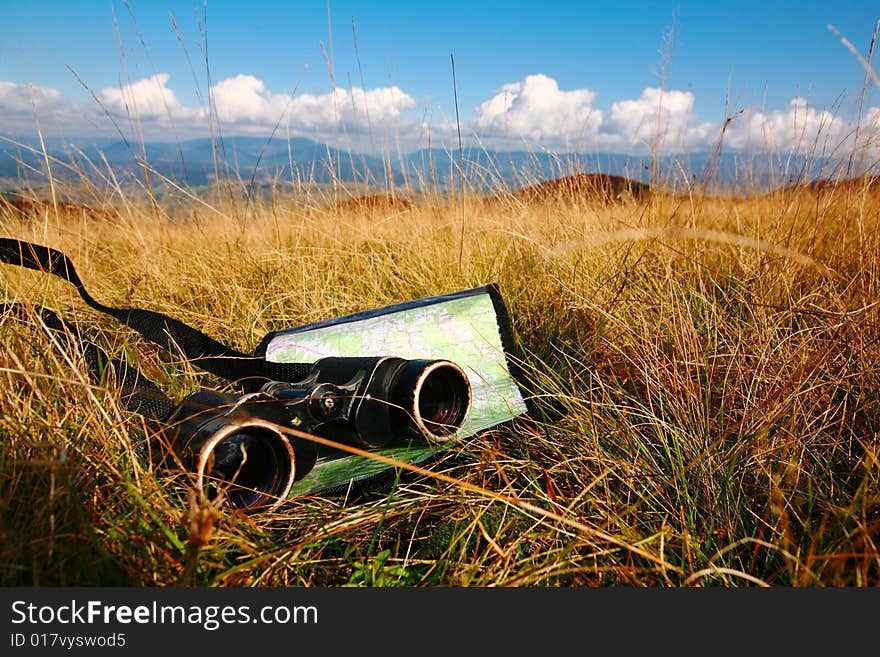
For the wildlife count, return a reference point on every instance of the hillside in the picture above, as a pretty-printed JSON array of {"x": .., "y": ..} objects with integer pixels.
[{"x": 263, "y": 164}]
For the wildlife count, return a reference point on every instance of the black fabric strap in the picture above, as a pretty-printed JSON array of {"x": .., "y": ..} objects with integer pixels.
[
  {"x": 167, "y": 332},
  {"x": 138, "y": 393}
]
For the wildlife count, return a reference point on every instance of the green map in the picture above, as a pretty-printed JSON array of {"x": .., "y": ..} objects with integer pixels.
[{"x": 463, "y": 330}]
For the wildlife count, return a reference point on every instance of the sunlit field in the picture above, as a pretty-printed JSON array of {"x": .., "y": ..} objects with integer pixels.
[{"x": 705, "y": 369}]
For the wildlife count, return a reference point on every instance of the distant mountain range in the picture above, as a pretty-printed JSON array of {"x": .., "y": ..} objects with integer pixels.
[{"x": 263, "y": 163}]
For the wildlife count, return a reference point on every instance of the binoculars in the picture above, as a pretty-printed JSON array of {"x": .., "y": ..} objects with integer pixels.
[{"x": 237, "y": 445}]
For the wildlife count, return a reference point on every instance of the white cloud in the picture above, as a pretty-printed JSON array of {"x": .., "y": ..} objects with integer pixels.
[
  {"x": 869, "y": 133},
  {"x": 245, "y": 99},
  {"x": 244, "y": 102},
  {"x": 23, "y": 105},
  {"x": 25, "y": 98},
  {"x": 537, "y": 111},
  {"x": 664, "y": 117},
  {"x": 149, "y": 98},
  {"x": 797, "y": 128},
  {"x": 532, "y": 112},
  {"x": 358, "y": 110}
]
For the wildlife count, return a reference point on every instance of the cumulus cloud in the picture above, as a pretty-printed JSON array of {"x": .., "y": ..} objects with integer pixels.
[
  {"x": 245, "y": 99},
  {"x": 22, "y": 104},
  {"x": 532, "y": 112},
  {"x": 358, "y": 110},
  {"x": 662, "y": 117},
  {"x": 149, "y": 98},
  {"x": 243, "y": 102},
  {"x": 537, "y": 111},
  {"x": 25, "y": 98},
  {"x": 243, "y": 105},
  {"x": 799, "y": 127},
  {"x": 869, "y": 134}
]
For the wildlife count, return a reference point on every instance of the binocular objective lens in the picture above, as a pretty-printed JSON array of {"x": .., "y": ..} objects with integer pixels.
[
  {"x": 443, "y": 400},
  {"x": 251, "y": 466}
]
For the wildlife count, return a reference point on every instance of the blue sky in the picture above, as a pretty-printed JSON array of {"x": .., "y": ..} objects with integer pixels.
[{"x": 563, "y": 76}]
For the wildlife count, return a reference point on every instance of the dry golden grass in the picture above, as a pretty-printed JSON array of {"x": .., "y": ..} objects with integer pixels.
[
  {"x": 374, "y": 203},
  {"x": 706, "y": 372}
]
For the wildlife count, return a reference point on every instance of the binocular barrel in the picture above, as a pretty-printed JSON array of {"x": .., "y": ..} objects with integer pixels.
[
  {"x": 372, "y": 401},
  {"x": 234, "y": 449},
  {"x": 434, "y": 396},
  {"x": 238, "y": 447}
]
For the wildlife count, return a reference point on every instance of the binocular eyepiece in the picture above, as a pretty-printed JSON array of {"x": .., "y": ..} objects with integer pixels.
[{"x": 239, "y": 447}]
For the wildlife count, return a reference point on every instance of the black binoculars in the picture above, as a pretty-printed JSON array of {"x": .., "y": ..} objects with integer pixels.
[{"x": 237, "y": 445}]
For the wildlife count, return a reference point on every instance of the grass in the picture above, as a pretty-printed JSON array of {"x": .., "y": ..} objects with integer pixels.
[{"x": 706, "y": 370}]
